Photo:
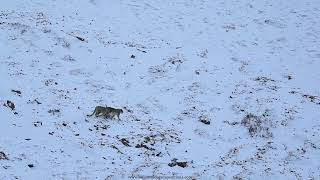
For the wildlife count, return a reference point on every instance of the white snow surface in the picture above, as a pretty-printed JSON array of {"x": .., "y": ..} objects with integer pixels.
[{"x": 250, "y": 68}]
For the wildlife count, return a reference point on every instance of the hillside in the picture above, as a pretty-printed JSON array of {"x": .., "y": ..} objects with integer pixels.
[{"x": 210, "y": 89}]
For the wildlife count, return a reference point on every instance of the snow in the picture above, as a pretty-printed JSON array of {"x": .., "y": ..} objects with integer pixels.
[{"x": 218, "y": 60}]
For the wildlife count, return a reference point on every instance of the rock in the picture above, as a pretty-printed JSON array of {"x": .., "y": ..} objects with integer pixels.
[
  {"x": 174, "y": 162},
  {"x": 16, "y": 91},
  {"x": 125, "y": 142},
  {"x": 54, "y": 111},
  {"x": 3, "y": 156},
  {"x": 37, "y": 123},
  {"x": 144, "y": 146},
  {"x": 10, "y": 104},
  {"x": 204, "y": 120},
  {"x": 182, "y": 164}
]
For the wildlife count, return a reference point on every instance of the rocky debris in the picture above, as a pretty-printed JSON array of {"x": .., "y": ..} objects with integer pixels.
[
  {"x": 313, "y": 99},
  {"x": 68, "y": 58},
  {"x": 141, "y": 145},
  {"x": 34, "y": 101},
  {"x": 132, "y": 56},
  {"x": 159, "y": 154},
  {"x": 257, "y": 125},
  {"x": 10, "y": 104},
  {"x": 3, "y": 156},
  {"x": 150, "y": 139},
  {"x": 175, "y": 61},
  {"x": 75, "y": 36},
  {"x": 264, "y": 80},
  {"x": 203, "y": 54},
  {"x": 116, "y": 148},
  {"x": 125, "y": 142},
  {"x": 54, "y": 111},
  {"x": 37, "y": 101},
  {"x": 16, "y": 91},
  {"x": 182, "y": 164},
  {"x": 204, "y": 120},
  {"x": 229, "y": 27},
  {"x": 174, "y": 162},
  {"x": 50, "y": 82},
  {"x": 141, "y": 50},
  {"x": 30, "y": 165},
  {"x": 252, "y": 122},
  {"x": 231, "y": 123},
  {"x": 267, "y": 83},
  {"x": 37, "y": 123},
  {"x": 7, "y": 167},
  {"x": 101, "y": 127},
  {"x": 80, "y": 38}
]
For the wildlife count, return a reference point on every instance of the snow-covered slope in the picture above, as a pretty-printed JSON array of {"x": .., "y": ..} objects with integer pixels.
[{"x": 210, "y": 89}]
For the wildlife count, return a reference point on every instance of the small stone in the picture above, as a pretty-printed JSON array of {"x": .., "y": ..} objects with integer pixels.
[
  {"x": 204, "y": 120},
  {"x": 10, "y": 104},
  {"x": 182, "y": 164},
  {"x": 3, "y": 156},
  {"x": 125, "y": 142},
  {"x": 16, "y": 91}
]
